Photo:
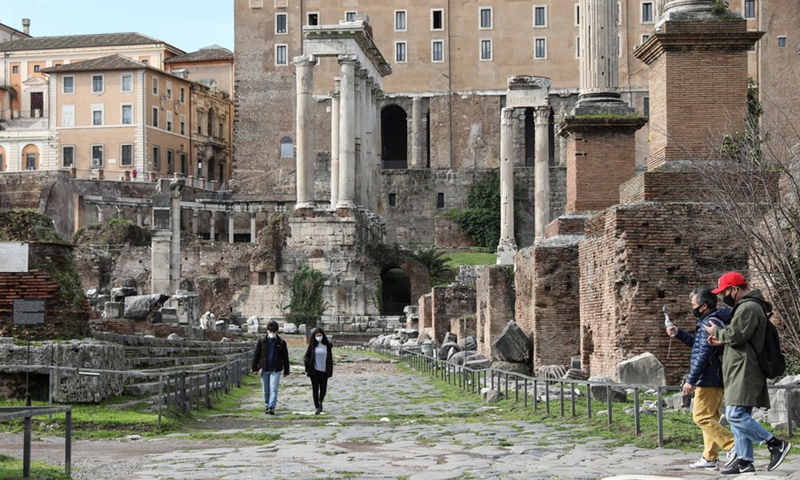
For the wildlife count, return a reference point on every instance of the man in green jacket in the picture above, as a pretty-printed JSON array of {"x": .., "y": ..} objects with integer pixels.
[{"x": 745, "y": 385}]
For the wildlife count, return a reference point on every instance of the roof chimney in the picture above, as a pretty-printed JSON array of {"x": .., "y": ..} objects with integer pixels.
[{"x": 26, "y": 26}]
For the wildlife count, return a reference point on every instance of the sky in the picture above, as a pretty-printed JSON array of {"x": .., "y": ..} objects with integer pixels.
[{"x": 186, "y": 24}]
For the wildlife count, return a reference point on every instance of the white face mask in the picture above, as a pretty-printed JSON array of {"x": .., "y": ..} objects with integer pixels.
[
  {"x": 272, "y": 335},
  {"x": 319, "y": 338}
]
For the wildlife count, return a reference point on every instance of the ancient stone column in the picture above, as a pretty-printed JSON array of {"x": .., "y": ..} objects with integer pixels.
[
  {"x": 335, "y": 145},
  {"x": 347, "y": 139},
  {"x": 195, "y": 214},
  {"x": 416, "y": 132},
  {"x": 99, "y": 213},
  {"x": 230, "y": 226},
  {"x": 252, "y": 227},
  {"x": 304, "y": 66},
  {"x": 139, "y": 216},
  {"x": 175, "y": 226},
  {"x": 212, "y": 233},
  {"x": 599, "y": 56},
  {"x": 541, "y": 170},
  {"x": 507, "y": 247}
]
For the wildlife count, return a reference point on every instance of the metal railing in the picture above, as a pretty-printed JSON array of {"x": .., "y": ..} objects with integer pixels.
[
  {"x": 472, "y": 380},
  {"x": 26, "y": 413}
]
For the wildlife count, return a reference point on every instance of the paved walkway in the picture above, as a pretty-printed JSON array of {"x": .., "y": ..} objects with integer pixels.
[{"x": 380, "y": 423}]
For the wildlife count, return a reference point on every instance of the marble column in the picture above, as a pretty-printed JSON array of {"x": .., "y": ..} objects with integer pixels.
[
  {"x": 347, "y": 139},
  {"x": 212, "y": 232},
  {"x": 507, "y": 247},
  {"x": 99, "y": 213},
  {"x": 252, "y": 227},
  {"x": 335, "y": 145},
  {"x": 175, "y": 240},
  {"x": 139, "y": 216},
  {"x": 195, "y": 215},
  {"x": 541, "y": 170},
  {"x": 599, "y": 66},
  {"x": 304, "y": 66},
  {"x": 416, "y": 132},
  {"x": 231, "y": 214}
]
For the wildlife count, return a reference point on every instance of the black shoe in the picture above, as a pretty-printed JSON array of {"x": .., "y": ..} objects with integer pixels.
[
  {"x": 777, "y": 454},
  {"x": 317, "y": 410},
  {"x": 272, "y": 411},
  {"x": 266, "y": 411},
  {"x": 739, "y": 468},
  {"x": 320, "y": 406}
]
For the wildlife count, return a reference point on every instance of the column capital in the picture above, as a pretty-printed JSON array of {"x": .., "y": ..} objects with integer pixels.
[
  {"x": 541, "y": 114},
  {"x": 305, "y": 60},
  {"x": 507, "y": 115},
  {"x": 347, "y": 60},
  {"x": 334, "y": 94}
]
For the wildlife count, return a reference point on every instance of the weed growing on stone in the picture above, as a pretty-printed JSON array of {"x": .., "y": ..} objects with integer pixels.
[{"x": 254, "y": 437}]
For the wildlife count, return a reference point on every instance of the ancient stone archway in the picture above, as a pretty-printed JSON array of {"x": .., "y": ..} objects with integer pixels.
[
  {"x": 396, "y": 291},
  {"x": 394, "y": 137}
]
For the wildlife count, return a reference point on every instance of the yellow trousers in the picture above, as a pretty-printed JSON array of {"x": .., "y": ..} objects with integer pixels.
[{"x": 706, "y": 413}]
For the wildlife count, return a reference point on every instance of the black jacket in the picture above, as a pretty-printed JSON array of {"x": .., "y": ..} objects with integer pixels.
[
  {"x": 308, "y": 360},
  {"x": 280, "y": 357},
  {"x": 705, "y": 365}
]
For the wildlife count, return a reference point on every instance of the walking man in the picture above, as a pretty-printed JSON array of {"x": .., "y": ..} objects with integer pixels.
[
  {"x": 705, "y": 378},
  {"x": 745, "y": 385},
  {"x": 269, "y": 359}
]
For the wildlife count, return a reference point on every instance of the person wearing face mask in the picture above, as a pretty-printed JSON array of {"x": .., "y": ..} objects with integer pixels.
[
  {"x": 745, "y": 385},
  {"x": 269, "y": 359},
  {"x": 319, "y": 366},
  {"x": 705, "y": 377}
]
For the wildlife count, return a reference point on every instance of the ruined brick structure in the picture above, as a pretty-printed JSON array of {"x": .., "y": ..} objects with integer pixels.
[{"x": 495, "y": 305}]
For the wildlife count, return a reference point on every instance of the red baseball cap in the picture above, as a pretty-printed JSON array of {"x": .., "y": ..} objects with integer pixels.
[{"x": 730, "y": 279}]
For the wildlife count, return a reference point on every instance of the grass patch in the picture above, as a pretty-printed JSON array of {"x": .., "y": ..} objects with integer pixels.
[
  {"x": 12, "y": 468},
  {"x": 453, "y": 260},
  {"x": 253, "y": 437}
]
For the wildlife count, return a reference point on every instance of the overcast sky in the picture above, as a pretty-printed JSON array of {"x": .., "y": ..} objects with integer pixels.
[{"x": 185, "y": 24}]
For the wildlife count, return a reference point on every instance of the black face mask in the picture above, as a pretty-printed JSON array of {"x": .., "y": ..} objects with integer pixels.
[
  {"x": 696, "y": 312},
  {"x": 728, "y": 300}
]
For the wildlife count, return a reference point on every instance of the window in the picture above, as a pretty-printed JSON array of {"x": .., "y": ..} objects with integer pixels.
[
  {"x": 539, "y": 48},
  {"x": 126, "y": 154},
  {"x": 645, "y": 38},
  {"x": 67, "y": 156},
  {"x": 169, "y": 90},
  {"x": 97, "y": 115},
  {"x": 280, "y": 55},
  {"x": 400, "y": 52},
  {"x": 127, "y": 82},
  {"x": 392, "y": 199},
  {"x": 437, "y": 51},
  {"x": 313, "y": 18},
  {"x": 155, "y": 85},
  {"x": 539, "y": 16},
  {"x": 619, "y": 13},
  {"x": 577, "y": 14},
  {"x": 646, "y": 109},
  {"x": 156, "y": 158},
  {"x": 127, "y": 114},
  {"x": 37, "y": 68},
  {"x": 68, "y": 115},
  {"x": 68, "y": 85},
  {"x": 486, "y": 49},
  {"x": 749, "y": 8},
  {"x": 30, "y": 161},
  {"x": 400, "y": 21},
  {"x": 578, "y": 47},
  {"x": 437, "y": 19},
  {"x": 184, "y": 164},
  {"x": 169, "y": 121},
  {"x": 170, "y": 161},
  {"x": 440, "y": 200},
  {"x": 15, "y": 69},
  {"x": 280, "y": 23},
  {"x": 287, "y": 148},
  {"x": 647, "y": 12},
  {"x": 485, "y": 18},
  {"x": 183, "y": 95},
  {"x": 221, "y": 130},
  {"x": 2, "y": 162},
  {"x": 97, "y": 156},
  {"x": 145, "y": 61},
  {"x": 155, "y": 117},
  {"x": 781, "y": 41},
  {"x": 183, "y": 124},
  {"x": 97, "y": 84},
  {"x": 349, "y": 16}
]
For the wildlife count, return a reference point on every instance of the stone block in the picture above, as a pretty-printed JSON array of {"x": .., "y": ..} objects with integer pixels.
[
  {"x": 604, "y": 388},
  {"x": 644, "y": 369},
  {"x": 512, "y": 345},
  {"x": 779, "y": 399},
  {"x": 113, "y": 310}
]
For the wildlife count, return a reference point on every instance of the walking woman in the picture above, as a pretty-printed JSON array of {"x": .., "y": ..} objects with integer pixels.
[{"x": 319, "y": 366}]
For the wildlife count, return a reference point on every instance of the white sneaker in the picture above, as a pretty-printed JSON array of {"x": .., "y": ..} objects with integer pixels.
[
  {"x": 703, "y": 463},
  {"x": 730, "y": 459}
]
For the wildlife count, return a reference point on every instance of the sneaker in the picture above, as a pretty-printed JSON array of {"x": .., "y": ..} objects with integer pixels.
[
  {"x": 703, "y": 463},
  {"x": 739, "y": 468},
  {"x": 272, "y": 410},
  {"x": 730, "y": 459},
  {"x": 777, "y": 454},
  {"x": 316, "y": 412},
  {"x": 266, "y": 411}
]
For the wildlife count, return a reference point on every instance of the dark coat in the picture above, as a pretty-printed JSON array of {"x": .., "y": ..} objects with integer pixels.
[
  {"x": 705, "y": 365},
  {"x": 308, "y": 360},
  {"x": 745, "y": 385},
  {"x": 280, "y": 356}
]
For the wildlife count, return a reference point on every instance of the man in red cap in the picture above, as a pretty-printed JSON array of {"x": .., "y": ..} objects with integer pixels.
[{"x": 745, "y": 385}]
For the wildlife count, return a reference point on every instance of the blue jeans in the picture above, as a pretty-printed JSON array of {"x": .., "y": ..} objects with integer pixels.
[
  {"x": 745, "y": 430},
  {"x": 269, "y": 387}
]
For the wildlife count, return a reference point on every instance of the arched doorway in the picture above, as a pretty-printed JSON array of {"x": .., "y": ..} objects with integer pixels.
[
  {"x": 394, "y": 137},
  {"x": 396, "y": 291},
  {"x": 30, "y": 157}
]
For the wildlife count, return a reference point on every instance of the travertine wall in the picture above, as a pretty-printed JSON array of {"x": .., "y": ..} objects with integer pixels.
[{"x": 495, "y": 305}]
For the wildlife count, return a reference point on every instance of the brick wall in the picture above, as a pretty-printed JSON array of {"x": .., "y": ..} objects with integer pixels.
[
  {"x": 425, "y": 314},
  {"x": 495, "y": 305},
  {"x": 449, "y": 302}
]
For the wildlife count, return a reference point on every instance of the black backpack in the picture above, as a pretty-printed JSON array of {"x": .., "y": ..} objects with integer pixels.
[{"x": 770, "y": 359}]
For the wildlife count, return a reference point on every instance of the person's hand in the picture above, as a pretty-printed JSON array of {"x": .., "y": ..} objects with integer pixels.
[
  {"x": 712, "y": 340},
  {"x": 687, "y": 388},
  {"x": 672, "y": 331},
  {"x": 709, "y": 328}
]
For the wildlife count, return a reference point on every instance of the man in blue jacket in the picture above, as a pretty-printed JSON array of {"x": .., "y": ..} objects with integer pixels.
[
  {"x": 705, "y": 378},
  {"x": 269, "y": 359}
]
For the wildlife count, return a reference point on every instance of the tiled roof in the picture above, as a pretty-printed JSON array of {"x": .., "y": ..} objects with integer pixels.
[
  {"x": 214, "y": 52},
  {"x": 111, "y": 62},
  {"x": 79, "y": 41}
]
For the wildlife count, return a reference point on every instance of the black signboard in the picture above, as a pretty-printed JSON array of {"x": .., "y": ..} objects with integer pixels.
[{"x": 29, "y": 311}]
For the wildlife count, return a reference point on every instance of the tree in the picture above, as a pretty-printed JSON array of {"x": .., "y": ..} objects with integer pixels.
[{"x": 435, "y": 264}]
